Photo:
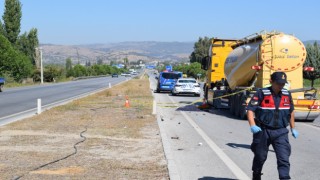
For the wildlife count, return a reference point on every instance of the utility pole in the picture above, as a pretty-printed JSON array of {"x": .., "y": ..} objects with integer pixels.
[{"x": 41, "y": 64}]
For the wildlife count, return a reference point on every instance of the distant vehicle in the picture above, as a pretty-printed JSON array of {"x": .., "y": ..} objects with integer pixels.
[
  {"x": 114, "y": 75},
  {"x": 1, "y": 83},
  {"x": 167, "y": 80},
  {"x": 127, "y": 75},
  {"x": 186, "y": 86}
]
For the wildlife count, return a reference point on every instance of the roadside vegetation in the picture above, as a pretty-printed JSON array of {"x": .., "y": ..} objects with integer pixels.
[
  {"x": 20, "y": 55},
  {"x": 114, "y": 142},
  {"x": 191, "y": 70}
]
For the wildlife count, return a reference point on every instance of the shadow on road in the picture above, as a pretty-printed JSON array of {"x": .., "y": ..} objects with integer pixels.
[
  {"x": 191, "y": 106},
  {"x": 235, "y": 145},
  {"x": 245, "y": 146},
  {"x": 214, "y": 178}
]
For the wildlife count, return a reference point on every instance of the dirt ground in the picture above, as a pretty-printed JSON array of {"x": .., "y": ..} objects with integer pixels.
[{"x": 92, "y": 138}]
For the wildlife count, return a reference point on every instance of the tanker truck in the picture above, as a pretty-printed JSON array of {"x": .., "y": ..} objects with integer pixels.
[{"x": 236, "y": 69}]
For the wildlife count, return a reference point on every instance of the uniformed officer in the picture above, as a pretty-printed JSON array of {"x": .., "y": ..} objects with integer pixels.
[{"x": 273, "y": 110}]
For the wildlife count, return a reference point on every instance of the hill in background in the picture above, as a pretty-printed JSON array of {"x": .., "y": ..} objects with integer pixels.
[{"x": 147, "y": 51}]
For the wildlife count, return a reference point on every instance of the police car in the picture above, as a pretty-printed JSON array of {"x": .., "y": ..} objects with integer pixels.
[{"x": 186, "y": 86}]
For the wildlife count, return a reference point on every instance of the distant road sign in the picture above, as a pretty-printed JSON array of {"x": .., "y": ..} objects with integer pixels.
[{"x": 169, "y": 68}]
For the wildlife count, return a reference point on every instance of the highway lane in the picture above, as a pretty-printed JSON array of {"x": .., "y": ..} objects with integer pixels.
[
  {"x": 232, "y": 137},
  {"x": 15, "y": 100},
  {"x": 188, "y": 156}
]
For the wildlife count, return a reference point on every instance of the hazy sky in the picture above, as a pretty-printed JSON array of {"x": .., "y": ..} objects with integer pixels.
[{"x": 105, "y": 21}]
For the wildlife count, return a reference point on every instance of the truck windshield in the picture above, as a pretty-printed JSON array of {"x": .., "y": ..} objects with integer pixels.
[{"x": 171, "y": 76}]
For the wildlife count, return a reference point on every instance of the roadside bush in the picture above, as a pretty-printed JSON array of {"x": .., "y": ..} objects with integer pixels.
[
  {"x": 79, "y": 70},
  {"x": 13, "y": 62}
]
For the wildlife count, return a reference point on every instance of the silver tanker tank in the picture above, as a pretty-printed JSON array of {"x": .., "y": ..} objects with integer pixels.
[{"x": 275, "y": 52}]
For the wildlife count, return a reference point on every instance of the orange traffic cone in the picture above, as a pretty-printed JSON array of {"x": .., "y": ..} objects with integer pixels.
[
  {"x": 204, "y": 104},
  {"x": 127, "y": 104}
]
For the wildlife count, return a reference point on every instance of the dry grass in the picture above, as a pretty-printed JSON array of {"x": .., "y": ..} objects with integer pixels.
[{"x": 121, "y": 143}]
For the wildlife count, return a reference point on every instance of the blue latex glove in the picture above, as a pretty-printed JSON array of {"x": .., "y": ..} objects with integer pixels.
[
  {"x": 295, "y": 133},
  {"x": 255, "y": 129}
]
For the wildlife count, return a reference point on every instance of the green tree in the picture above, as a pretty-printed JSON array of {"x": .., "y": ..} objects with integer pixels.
[
  {"x": 99, "y": 69},
  {"x": 52, "y": 72},
  {"x": 2, "y": 31},
  {"x": 182, "y": 68},
  {"x": 201, "y": 49},
  {"x": 69, "y": 71},
  {"x": 27, "y": 43},
  {"x": 126, "y": 62},
  {"x": 79, "y": 70},
  {"x": 312, "y": 60},
  {"x": 195, "y": 69},
  {"x": 33, "y": 43},
  {"x": 13, "y": 62},
  {"x": 191, "y": 70},
  {"x": 12, "y": 19}
]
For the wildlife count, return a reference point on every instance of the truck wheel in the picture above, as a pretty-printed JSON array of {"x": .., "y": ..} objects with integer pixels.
[
  {"x": 231, "y": 105},
  {"x": 236, "y": 103},
  {"x": 242, "y": 113},
  {"x": 242, "y": 109},
  {"x": 1, "y": 86}
]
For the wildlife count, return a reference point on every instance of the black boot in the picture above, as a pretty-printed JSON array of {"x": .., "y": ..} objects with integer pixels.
[{"x": 256, "y": 176}]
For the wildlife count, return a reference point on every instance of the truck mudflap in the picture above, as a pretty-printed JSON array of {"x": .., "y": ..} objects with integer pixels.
[{"x": 306, "y": 115}]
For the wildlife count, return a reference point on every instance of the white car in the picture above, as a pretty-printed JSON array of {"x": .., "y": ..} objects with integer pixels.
[{"x": 186, "y": 86}]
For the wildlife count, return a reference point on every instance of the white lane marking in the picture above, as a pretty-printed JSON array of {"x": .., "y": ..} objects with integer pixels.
[{"x": 227, "y": 161}]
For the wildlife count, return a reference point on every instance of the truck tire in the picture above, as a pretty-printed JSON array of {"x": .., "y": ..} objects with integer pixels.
[
  {"x": 232, "y": 110},
  {"x": 242, "y": 108},
  {"x": 236, "y": 103},
  {"x": 1, "y": 86}
]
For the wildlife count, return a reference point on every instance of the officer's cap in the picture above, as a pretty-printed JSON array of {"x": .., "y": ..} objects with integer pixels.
[{"x": 279, "y": 77}]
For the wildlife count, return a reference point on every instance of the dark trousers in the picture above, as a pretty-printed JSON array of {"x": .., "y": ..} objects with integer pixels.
[{"x": 280, "y": 143}]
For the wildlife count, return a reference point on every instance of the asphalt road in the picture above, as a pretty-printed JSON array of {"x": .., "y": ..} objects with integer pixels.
[
  {"x": 16, "y": 100},
  {"x": 216, "y": 145}
]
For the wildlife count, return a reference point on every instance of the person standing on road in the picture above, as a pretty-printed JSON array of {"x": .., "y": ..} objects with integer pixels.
[{"x": 270, "y": 111}]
